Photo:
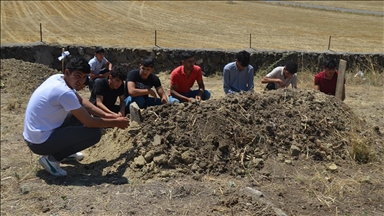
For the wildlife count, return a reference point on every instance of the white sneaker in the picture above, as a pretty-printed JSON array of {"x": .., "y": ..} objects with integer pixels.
[
  {"x": 52, "y": 167},
  {"x": 74, "y": 157}
]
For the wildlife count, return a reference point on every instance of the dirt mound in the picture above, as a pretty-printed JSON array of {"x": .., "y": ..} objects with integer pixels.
[
  {"x": 238, "y": 133},
  {"x": 23, "y": 77}
]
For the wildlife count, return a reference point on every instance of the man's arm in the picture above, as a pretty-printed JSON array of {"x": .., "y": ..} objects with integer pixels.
[
  {"x": 83, "y": 116},
  {"x": 226, "y": 81},
  {"x": 317, "y": 87},
  {"x": 134, "y": 92},
  {"x": 163, "y": 96},
  {"x": 200, "y": 83},
  {"x": 251, "y": 78},
  {"x": 99, "y": 103},
  {"x": 92, "y": 109},
  {"x": 179, "y": 96},
  {"x": 122, "y": 105}
]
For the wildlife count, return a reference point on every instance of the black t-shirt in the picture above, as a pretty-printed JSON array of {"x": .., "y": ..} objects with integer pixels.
[
  {"x": 140, "y": 83},
  {"x": 102, "y": 88}
]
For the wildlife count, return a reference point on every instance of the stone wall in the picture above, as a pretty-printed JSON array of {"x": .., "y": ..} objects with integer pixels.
[{"x": 211, "y": 61}]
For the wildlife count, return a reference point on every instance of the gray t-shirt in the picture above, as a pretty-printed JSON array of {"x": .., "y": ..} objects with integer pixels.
[{"x": 277, "y": 73}]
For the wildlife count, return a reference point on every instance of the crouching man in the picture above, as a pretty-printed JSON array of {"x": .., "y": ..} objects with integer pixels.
[{"x": 58, "y": 121}]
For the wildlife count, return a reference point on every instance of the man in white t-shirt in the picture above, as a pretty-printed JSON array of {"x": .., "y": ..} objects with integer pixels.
[
  {"x": 58, "y": 121},
  {"x": 100, "y": 67},
  {"x": 282, "y": 77}
]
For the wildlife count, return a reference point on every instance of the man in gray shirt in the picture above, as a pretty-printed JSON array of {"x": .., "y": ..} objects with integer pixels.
[
  {"x": 282, "y": 77},
  {"x": 238, "y": 75}
]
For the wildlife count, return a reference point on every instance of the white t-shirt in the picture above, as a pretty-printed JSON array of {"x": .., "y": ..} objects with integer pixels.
[
  {"x": 96, "y": 65},
  {"x": 47, "y": 108},
  {"x": 277, "y": 73}
]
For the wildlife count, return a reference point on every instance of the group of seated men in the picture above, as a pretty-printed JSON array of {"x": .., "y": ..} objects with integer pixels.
[
  {"x": 59, "y": 123},
  {"x": 108, "y": 83}
]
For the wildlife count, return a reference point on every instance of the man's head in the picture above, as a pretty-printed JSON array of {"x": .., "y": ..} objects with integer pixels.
[
  {"x": 242, "y": 60},
  {"x": 147, "y": 65},
  {"x": 99, "y": 53},
  {"x": 76, "y": 72},
  {"x": 330, "y": 67},
  {"x": 117, "y": 77},
  {"x": 290, "y": 69},
  {"x": 188, "y": 60}
]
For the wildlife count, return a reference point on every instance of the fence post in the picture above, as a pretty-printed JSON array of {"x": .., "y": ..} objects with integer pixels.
[
  {"x": 250, "y": 40},
  {"x": 41, "y": 33},
  {"x": 329, "y": 43},
  {"x": 155, "y": 37}
]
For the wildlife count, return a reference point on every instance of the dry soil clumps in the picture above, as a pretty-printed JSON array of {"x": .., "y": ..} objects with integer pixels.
[{"x": 236, "y": 134}]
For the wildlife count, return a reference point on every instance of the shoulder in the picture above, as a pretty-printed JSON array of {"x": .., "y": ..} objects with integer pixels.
[
  {"x": 250, "y": 67},
  {"x": 176, "y": 70},
  {"x": 93, "y": 60},
  {"x": 320, "y": 74},
  {"x": 230, "y": 65}
]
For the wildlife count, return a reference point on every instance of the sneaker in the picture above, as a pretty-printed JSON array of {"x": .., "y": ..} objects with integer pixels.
[
  {"x": 74, "y": 157},
  {"x": 52, "y": 167}
]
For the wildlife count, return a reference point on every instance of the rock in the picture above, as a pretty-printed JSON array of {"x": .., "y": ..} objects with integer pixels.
[
  {"x": 156, "y": 140},
  {"x": 258, "y": 162},
  {"x": 188, "y": 157},
  {"x": 295, "y": 151},
  {"x": 139, "y": 161},
  {"x": 161, "y": 159},
  {"x": 332, "y": 167},
  {"x": 289, "y": 162},
  {"x": 149, "y": 155},
  {"x": 195, "y": 167}
]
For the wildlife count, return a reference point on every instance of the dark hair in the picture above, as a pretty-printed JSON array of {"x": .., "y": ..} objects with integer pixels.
[
  {"x": 147, "y": 62},
  {"x": 80, "y": 64},
  {"x": 186, "y": 55},
  {"x": 119, "y": 72},
  {"x": 243, "y": 57},
  {"x": 291, "y": 67},
  {"x": 99, "y": 50},
  {"x": 330, "y": 63}
]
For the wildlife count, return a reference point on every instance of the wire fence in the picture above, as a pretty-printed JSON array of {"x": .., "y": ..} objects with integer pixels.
[{"x": 228, "y": 40}]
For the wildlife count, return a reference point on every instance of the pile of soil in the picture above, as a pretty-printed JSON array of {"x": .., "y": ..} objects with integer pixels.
[
  {"x": 23, "y": 77},
  {"x": 236, "y": 134}
]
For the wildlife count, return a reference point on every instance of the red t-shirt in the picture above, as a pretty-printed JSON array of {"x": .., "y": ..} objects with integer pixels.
[
  {"x": 184, "y": 82},
  {"x": 328, "y": 86}
]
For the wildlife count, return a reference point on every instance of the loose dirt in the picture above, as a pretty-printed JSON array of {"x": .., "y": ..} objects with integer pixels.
[{"x": 308, "y": 153}]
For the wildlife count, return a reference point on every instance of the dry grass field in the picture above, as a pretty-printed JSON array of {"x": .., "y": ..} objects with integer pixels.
[
  {"x": 107, "y": 183},
  {"x": 194, "y": 24}
]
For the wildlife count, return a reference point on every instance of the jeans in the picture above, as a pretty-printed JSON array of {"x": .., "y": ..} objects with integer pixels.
[
  {"x": 191, "y": 94},
  {"x": 142, "y": 102},
  {"x": 71, "y": 137}
]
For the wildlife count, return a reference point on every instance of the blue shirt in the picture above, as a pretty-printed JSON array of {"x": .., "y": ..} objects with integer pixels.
[{"x": 235, "y": 80}]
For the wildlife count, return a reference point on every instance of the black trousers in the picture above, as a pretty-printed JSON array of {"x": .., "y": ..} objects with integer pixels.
[{"x": 71, "y": 137}]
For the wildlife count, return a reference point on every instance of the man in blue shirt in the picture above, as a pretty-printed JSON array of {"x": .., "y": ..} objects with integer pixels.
[{"x": 238, "y": 75}]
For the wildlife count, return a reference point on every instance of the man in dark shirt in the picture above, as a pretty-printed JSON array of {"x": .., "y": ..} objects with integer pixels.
[
  {"x": 106, "y": 90},
  {"x": 139, "y": 85}
]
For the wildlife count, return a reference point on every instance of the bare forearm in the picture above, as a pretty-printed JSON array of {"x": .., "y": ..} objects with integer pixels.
[
  {"x": 138, "y": 92},
  {"x": 269, "y": 80},
  {"x": 92, "y": 109},
  {"x": 179, "y": 96}
]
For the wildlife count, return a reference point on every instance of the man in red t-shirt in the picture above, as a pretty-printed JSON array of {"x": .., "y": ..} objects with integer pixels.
[
  {"x": 183, "y": 78},
  {"x": 326, "y": 80}
]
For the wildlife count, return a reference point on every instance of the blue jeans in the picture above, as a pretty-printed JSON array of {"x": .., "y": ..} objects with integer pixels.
[
  {"x": 142, "y": 102},
  {"x": 191, "y": 94}
]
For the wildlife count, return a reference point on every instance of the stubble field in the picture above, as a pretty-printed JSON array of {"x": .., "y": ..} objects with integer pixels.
[{"x": 308, "y": 153}]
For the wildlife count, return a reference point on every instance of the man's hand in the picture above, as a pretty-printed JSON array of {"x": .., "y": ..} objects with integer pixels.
[
  {"x": 191, "y": 100},
  {"x": 121, "y": 114},
  {"x": 152, "y": 93},
  {"x": 122, "y": 122},
  {"x": 281, "y": 83},
  {"x": 198, "y": 98},
  {"x": 110, "y": 115},
  {"x": 164, "y": 100}
]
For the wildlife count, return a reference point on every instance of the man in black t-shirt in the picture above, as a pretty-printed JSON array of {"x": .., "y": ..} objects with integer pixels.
[
  {"x": 107, "y": 90},
  {"x": 139, "y": 85}
]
